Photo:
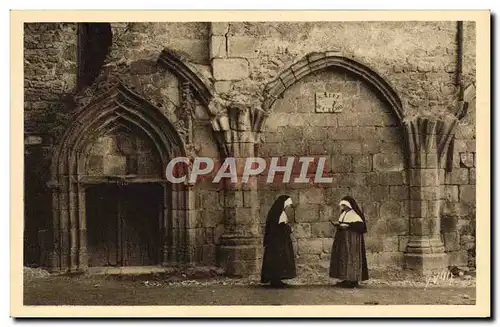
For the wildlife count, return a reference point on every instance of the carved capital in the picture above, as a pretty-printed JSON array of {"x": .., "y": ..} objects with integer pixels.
[
  {"x": 428, "y": 139},
  {"x": 238, "y": 124}
]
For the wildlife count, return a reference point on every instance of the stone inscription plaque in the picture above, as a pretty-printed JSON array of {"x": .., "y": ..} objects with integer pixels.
[{"x": 328, "y": 102}]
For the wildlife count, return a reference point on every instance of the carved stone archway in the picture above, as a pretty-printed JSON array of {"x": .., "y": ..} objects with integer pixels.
[
  {"x": 318, "y": 61},
  {"x": 66, "y": 248},
  {"x": 427, "y": 142}
]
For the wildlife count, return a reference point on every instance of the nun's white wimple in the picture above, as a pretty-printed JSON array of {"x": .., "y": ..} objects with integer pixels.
[
  {"x": 346, "y": 203},
  {"x": 283, "y": 216}
]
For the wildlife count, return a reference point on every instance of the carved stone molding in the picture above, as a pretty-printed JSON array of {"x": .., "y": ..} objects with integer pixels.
[
  {"x": 181, "y": 67},
  {"x": 119, "y": 106},
  {"x": 317, "y": 61},
  {"x": 239, "y": 124}
]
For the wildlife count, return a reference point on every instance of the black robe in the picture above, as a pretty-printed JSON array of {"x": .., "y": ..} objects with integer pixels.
[
  {"x": 279, "y": 259},
  {"x": 348, "y": 256}
]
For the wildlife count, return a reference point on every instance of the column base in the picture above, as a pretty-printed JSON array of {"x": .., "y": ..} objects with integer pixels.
[
  {"x": 425, "y": 254},
  {"x": 238, "y": 255},
  {"x": 425, "y": 263}
]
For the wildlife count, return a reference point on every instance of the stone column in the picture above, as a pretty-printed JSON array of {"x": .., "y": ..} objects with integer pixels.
[
  {"x": 238, "y": 132},
  {"x": 428, "y": 139}
]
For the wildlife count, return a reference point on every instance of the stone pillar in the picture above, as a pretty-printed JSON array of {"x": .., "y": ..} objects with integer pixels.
[
  {"x": 428, "y": 139},
  {"x": 238, "y": 132}
]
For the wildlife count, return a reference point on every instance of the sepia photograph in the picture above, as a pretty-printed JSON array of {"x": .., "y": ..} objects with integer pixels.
[{"x": 241, "y": 160}]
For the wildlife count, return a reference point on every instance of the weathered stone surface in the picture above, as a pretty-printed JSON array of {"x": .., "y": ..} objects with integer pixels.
[
  {"x": 390, "y": 209},
  {"x": 390, "y": 244},
  {"x": 366, "y": 129},
  {"x": 242, "y": 46},
  {"x": 457, "y": 176},
  {"x": 322, "y": 229},
  {"x": 374, "y": 244},
  {"x": 472, "y": 176},
  {"x": 218, "y": 47},
  {"x": 468, "y": 194},
  {"x": 388, "y": 162},
  {"x": 307, "y": 213},
  {"x": 451, "y": 241},
  {"x": 312, "y": 195},
  {"x": 391, "y": 178},
  {"x": 309, "y": 246},
  {"x": 302, "y": 230},
  {"x": 219, "y": 28},
  {"x": 361, "y": 163},
  {"x": 340, "y": 163},
  {"x": 399, "y": 193},
  {"x": 231, "y": 69}
]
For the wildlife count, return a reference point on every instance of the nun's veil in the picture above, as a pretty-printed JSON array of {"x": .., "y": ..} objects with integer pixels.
[
  {"x": 355, "y": 206},
  {"x": 273, "y": 216}
]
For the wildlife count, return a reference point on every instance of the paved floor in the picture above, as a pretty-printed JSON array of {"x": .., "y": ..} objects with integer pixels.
[{"x": 79, "y": 291}]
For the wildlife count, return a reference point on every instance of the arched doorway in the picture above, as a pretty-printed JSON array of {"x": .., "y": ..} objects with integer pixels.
[
  {"x": 112, "y": 205},
  {"x": 124, "y": 203}
]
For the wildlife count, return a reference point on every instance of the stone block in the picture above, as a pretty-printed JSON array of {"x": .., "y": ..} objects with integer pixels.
[
  {"x": 312, "y": 195},
  {"x": 457, "y": 258},
  {"x": 391, "y": 178},
  {"x": 218, "y": 47},
  {"x": 307, "y": 259},
  {"x": 371, "y": 210},
  {"x": 362, "y": 194},
  {"x": 424, "y": 177},
  {"x": 222, "y": 87},
  {"x": 374, "y": 244},
  {"x": 327, "y": 245},
  {"x": 468, "y": 194},
  {"x": 390, "y": 209},
  {"x": 472, "y": 176},
  {"x": 424, "y": 193},
  {"x": 340, "y": 163},
  {"x": 322, "y": 230},
  {"x": 309, "y": 246},
  {"x": 302, "y": 230},
  {"x": 418, "y": 208},
  {"x": 398, "y": 226},
  {"x": 457, "y": 177},
  {"x": 208, "y": 255},
  {"x": 307, "y": 213},
  {"x": 362, "y": 163},
  {"x": 403, "y": 242},
  {"x": 425, "y": 263},
  {"x": 388, "y": 162},
  {"x": 242, "y": 46},
  {"x": 450, "y": 193},
  {"x": 327, "y": 213},
  {"x": 370, "y": 146},
  {"x": 380, "y": 193},
  {"x": 399, "y": 193},
  {"x": 219, "y": 28},
  {"x": 451, "y": 241},
  {"x": 231, "y": 69},
  {"x": 390, "y": 244},
  {"x": 449, "y": 224},
  {"x": 350, "y": 147}
]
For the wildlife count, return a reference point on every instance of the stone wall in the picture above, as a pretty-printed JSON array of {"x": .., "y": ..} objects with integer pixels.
[
  {"x": 422, "y": 72},
  {"x": 364, "y": 143}
]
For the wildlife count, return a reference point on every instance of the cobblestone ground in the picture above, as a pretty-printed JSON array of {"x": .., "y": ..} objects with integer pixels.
[{"x": 205, "y": 287}]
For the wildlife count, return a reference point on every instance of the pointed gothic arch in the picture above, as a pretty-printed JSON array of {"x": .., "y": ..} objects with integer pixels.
[
  {"x": 317, "y": 61},
  {"x": 118, "y": 108}
]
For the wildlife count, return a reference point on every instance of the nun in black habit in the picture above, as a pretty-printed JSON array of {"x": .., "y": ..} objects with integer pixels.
[
  {"x": 279, "y": 259},
  {"x": 348, "y": 260}
]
